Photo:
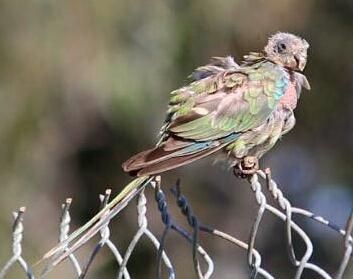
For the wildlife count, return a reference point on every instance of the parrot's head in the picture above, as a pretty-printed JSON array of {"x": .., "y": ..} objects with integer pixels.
[{"x": 287, "y": 50}]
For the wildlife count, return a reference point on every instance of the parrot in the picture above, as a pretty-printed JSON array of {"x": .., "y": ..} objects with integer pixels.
[{"x": 240, "y": 110}]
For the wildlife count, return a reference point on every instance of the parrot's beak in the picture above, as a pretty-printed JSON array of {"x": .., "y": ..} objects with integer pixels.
[{"x": 301, "y": 62}]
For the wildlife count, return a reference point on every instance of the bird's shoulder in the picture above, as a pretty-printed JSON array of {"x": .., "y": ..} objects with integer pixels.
[
  {"x": 232, "y": 99},
  {"x": 215, "y": 81}
]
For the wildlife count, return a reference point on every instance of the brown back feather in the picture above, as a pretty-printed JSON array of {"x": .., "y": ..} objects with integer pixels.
[
  {"x": 164, "y": 157},
  {"x": 175, "y": 162},
  {"x": 155, "y": 155}
]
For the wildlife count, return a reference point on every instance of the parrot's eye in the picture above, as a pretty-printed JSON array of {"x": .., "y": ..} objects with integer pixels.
[{"x": 281, "y": 47}]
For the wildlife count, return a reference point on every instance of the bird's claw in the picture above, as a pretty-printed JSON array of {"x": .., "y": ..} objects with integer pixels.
[{"x": 248, "y": 166}]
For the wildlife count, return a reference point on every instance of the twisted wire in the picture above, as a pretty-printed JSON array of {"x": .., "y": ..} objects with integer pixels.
[
  {"x": 170, "y": 224},
  {"x": 143, "y": 230},
  {"x": 105, "y": 239},
  {"x": 186, "y": 210},
  {"x": 17, "y": 236},
  {"x": 259, "y": 182},
  {"x": 65, "y": 220},
  {"x": 285, "y": 205}
]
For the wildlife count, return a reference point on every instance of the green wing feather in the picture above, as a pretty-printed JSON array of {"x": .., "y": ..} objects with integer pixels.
[{"x": 231, "y": 101}]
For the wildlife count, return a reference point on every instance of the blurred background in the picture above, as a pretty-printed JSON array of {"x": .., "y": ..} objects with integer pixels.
[{"x": 85, "y": 84}]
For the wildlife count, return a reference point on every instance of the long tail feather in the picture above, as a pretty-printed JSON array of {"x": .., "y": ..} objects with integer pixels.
[
  {"x": 175, "y": 162},
  {"x": 172, "y": 154},
  {"x": 88, "y": 230}
]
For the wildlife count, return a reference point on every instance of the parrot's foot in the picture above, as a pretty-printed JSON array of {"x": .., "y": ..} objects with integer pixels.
[{"x": 248, "y": 166}]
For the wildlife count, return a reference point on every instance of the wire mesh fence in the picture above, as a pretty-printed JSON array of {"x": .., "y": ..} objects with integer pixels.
[{"x": 261, "y": 183}]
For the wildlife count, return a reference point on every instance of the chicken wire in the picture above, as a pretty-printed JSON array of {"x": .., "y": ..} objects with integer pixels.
[{"x": 260, "y": 183}]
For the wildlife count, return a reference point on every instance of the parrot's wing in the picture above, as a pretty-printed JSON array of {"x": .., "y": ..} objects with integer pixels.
[
  {"x": 216, "y": 66},
  {"x": 231, "y": 102},
  {"x": 210, "y": 113}
]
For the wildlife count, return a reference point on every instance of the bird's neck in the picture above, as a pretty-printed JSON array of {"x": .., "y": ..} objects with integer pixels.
[{"x": 290, "y": 97}]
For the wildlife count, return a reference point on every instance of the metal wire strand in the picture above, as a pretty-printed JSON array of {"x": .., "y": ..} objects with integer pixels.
[
  {"x": 143, "y": 230},
  {"x": 17, "y": 236},
  {"x": 348, "y": 248},
  {"x": 170, "y": 224},
  {"x": 65, "y": 220},
  {"x": 285, "y": 205},
  {"x": 105, "y": 240},
  {"x": 187, "y": 211},
  {"x": 64, "y": 229},
  {"x": 255, "y": 261},
  {"x": 276, "y": 204},
  {"x": 166, "y": 219}
]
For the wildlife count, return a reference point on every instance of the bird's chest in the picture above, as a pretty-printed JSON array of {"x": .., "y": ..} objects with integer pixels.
[{"x": 290, "y": 97}]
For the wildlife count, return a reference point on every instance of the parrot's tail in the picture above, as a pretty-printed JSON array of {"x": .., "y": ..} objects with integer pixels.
[
  {"x": 88, "y": 230},
  {"x": 172, "y": 154}
]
